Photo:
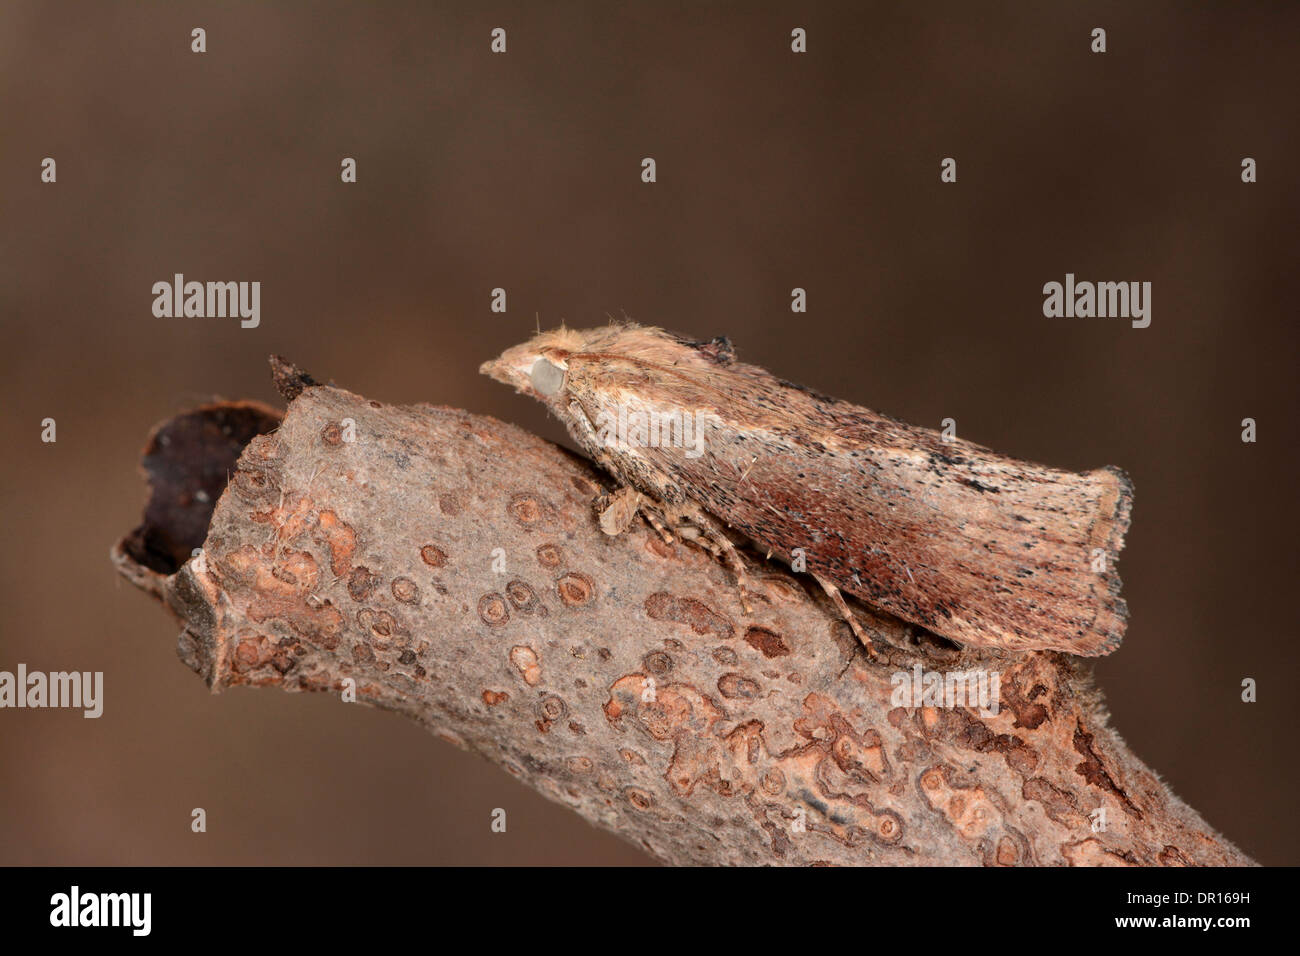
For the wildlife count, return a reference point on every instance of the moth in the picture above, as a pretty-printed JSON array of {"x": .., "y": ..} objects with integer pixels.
[{"x": 977, "y": 547}]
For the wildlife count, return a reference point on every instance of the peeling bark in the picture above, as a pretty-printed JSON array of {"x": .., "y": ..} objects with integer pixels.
[{"x": 356, "y": 545}]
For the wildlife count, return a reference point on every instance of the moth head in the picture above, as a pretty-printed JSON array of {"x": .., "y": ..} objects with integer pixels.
[
  {"x": 538, "y": 368},
  {"x": 541, "y": 367}
]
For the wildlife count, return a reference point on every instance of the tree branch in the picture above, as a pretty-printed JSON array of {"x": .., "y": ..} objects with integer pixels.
[{"x": 448, "y": 567}]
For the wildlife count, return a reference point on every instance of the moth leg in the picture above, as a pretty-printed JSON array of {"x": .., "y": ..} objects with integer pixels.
[
  {"x": 655, "y": 520},
  {"x": 704, "y": 530},
  {"x": 842, "y": 606},
  {"x": 615, "y": 512}
]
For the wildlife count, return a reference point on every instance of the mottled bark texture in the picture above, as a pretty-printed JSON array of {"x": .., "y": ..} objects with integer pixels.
[{"x": 451, "y": 567}]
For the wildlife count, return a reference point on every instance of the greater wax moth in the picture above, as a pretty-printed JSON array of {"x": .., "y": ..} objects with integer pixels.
[{"x": 977, "y": 547}]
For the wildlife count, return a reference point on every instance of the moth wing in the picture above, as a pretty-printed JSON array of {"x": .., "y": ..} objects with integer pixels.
[{"x": 979, "y": 548}]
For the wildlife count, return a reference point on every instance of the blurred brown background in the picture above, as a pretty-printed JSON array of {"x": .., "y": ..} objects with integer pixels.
[{"x": 522, "y": 171}]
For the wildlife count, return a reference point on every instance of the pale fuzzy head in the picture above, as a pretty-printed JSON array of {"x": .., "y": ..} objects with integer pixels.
[
  {"x": 620, "y": 391},
  {"x": 539, "y": 368}
]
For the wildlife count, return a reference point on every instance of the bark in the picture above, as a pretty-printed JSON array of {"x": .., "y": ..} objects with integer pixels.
[{"x": 448, "y": 566}]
